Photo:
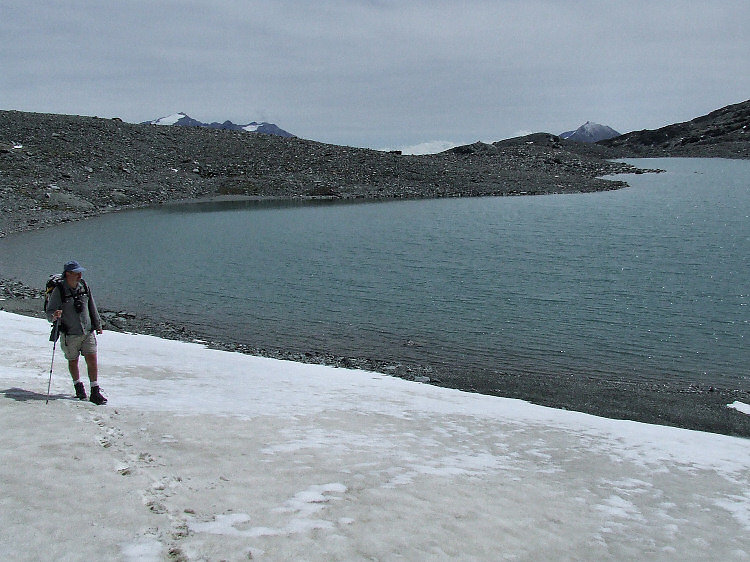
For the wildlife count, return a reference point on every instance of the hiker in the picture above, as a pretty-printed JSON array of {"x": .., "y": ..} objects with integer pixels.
[{"x": 72, "y": 305}]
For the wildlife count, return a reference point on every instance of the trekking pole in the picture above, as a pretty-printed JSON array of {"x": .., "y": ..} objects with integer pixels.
[{"x": 53, "y": 336}]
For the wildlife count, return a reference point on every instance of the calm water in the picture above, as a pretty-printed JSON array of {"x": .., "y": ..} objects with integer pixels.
[{"x": 650, "y": 282}]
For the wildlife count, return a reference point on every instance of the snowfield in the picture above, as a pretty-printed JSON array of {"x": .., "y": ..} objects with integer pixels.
[{"x": 209, "y": 455}]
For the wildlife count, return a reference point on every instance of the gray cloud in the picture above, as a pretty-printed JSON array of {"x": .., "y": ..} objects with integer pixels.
[{"x": 378, "y": 74}]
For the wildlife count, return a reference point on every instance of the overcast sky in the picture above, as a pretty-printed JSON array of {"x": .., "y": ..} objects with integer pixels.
[{"x": 379, "y": 73}]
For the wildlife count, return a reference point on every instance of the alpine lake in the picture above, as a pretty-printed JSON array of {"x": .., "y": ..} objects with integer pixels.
[{"x": 649, "y": 284}]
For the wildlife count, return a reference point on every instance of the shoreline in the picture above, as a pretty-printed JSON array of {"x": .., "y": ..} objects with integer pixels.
[{"x": 679, "y": 404}]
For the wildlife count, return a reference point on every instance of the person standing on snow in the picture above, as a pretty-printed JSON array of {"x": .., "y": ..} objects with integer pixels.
[{"x": 72, "y": 305}]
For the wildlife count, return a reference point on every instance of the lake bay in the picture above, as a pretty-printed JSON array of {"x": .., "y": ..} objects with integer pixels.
[{"x": 648, "y": 283}]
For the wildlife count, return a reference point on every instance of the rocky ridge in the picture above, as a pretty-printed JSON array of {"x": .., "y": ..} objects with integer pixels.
[
  {"x": 724, "y": 133},
  {"x": 57, "y": 168},
  {"x": 60, "y": 167}
]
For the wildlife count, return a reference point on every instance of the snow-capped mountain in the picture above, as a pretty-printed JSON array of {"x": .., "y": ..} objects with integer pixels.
[
  {"x": 184, "y": 120},
  {"x": 590, "y": 132}
]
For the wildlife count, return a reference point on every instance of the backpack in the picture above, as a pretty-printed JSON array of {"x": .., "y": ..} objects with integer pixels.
[{"x": 56, "y": 280}]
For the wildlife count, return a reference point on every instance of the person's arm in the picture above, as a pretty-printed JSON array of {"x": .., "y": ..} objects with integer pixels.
[
  {"x": 54, "y": 305},
  {"x": 96, "y": 320}
]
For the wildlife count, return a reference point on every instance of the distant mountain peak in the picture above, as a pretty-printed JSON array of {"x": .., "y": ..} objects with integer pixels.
[
  {"x": 590, "y": 132},
  {"x": 170, "y": 119},
  {"x": 182, "y": 119}
]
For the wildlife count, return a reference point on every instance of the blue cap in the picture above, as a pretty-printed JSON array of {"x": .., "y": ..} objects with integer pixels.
[{"x": 73, "y": 266}]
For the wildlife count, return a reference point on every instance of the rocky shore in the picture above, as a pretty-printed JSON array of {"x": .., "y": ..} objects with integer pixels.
[
  {"x": 687, "y": 405},
  {"x": 57, "y": 168}
]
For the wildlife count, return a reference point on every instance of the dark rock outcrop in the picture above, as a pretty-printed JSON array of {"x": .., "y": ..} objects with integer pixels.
[{"x": 724, "y": 133}]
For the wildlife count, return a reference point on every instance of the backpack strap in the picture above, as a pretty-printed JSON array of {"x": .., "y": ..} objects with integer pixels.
[
  {"x": 64, "y": 295},
  {"x": 67, "y": 293},
  {"x": 60, "y": 284}
]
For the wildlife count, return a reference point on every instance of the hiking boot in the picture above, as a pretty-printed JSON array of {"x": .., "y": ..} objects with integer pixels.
[
  {"x": 80, "y": 390},
  {"x": 96, "y": 396}
]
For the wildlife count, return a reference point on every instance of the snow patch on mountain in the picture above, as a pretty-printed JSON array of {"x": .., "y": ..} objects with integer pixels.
[
  {"x": 184, "y": 120},
  {"x": 169, "y": 119}
]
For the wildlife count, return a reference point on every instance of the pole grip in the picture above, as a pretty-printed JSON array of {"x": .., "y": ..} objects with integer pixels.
[{"x": 55, "y": 333}]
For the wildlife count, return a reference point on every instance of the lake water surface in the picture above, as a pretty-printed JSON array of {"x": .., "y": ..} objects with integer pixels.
[{"x": 649, "y": 283}]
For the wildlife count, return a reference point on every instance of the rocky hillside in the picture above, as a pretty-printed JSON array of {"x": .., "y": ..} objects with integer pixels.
[
  {"x": 723, "y": 133},
  {"x": 57, "y": 167}
]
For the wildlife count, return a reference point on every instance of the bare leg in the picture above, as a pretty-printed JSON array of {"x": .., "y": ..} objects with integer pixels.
[
  {"x": 92, "y": 366},
  {"x": 73, "y": 369}
]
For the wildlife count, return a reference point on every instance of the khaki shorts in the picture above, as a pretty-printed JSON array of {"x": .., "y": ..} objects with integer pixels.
[{"x": 73, "y": 346}]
